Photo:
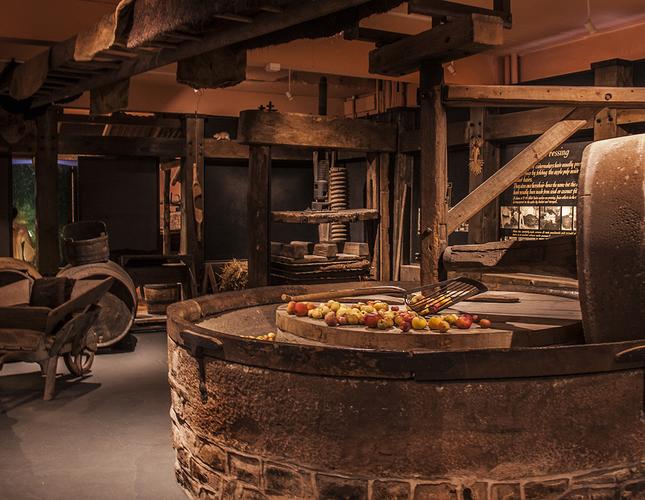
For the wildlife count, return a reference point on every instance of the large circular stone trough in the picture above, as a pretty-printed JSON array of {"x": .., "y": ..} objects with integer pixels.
[{"x": 297, "y": 418}]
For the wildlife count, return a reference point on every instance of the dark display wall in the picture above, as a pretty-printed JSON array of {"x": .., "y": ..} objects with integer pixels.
[
  {"x": 124, "y": 193},
  {"x": 225, "y": 218},
  {"x": 5, "y": 207}
]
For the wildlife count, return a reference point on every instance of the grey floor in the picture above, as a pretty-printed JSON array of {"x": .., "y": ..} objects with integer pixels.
[{"x": 104, "y": 437}]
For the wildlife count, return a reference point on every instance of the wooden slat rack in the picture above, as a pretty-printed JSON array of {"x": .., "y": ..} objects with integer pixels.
[{"x": 325, "y": 216}]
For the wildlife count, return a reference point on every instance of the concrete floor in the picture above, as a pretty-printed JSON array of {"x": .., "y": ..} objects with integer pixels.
[{"x": 104, "y": 437}]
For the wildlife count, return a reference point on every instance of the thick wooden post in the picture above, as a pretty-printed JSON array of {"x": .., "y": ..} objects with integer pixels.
[
  {"x": 612, "y": 73},
  {"x": 434, "y": 172},
  {"x": 259, "y": 215},
  {"x": 46, "y": 162},
  {"x": 192, "y": 180},
  {"x": 483, "y": 226},
  {"x": 372, "y": 200},
  {"x": 385, "y": 250},
  {"x": 166, "y": 212},
  {"x": 6, "y": 222}
]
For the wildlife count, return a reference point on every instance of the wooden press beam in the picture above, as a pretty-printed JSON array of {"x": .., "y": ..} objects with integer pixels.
[
  {"x": 259, "y": 215},
  {"x": 543, "y": 95},
  {"x": 46, "y": 166},
  {"x": 443, "y": 8},
  {"x": 459, "y": 38},
  {"x": 509, "y": 173},
  {"x": 433, "y": 172},
  {"x": 263, "y": 24},
  {"x": 271, "y": 128}
]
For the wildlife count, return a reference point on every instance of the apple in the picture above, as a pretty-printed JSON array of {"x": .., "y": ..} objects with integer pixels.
[
  {"x": 484, "y": 323},
  {"x": 330, "y": 319},
  {"x": 394, "y": 308},
  {"x": 476, "y": 318},
  {"x": 382, "y": 324},
  {"x": 301, "y": 309},
  {"x": 443, "y": 326},
  {"x": 371, "y": 320},
  {"x": 419, "y": 323},
  {"x": 310, "y": 305},
  {"x": 464, "y": 322},
  {"x": 291, "y": 307},
  {"x": 342, "y": 319},
  {"x": 405, "y": 326}
]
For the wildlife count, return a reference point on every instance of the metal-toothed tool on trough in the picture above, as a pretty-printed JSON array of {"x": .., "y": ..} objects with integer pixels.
[{"x": 434, "y": 298}]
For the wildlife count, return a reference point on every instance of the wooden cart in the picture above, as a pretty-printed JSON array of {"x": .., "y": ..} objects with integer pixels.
[{"x": 42, "y": 334}]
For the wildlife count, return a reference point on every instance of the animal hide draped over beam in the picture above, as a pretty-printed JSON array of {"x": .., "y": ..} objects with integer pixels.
[
  {"x": 112, "y": 28},
  {"x": 153, "y": 18}
]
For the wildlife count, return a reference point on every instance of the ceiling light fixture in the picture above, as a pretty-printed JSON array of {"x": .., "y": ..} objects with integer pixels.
[
  {"x": 589, "y": 25},
  {"x": 288, "y": 92}
]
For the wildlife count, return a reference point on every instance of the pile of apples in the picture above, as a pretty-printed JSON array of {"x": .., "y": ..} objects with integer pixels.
[{"x": 376, "y": 314}]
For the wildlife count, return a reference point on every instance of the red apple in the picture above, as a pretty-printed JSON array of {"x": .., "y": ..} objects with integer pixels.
[
  {"x": 394, "y": 308},
  {"x": 371, "y": 320},
  {"x": 300, "y": 308},
  {"x": 291, "y": 307},
  {"x": 405, "y": 326},
  {"x": 342, "y": 320},
  {"x": 330, "y": 319},
  {"x": 464, "y": 322},
  {"x": 484, "y": 323}
]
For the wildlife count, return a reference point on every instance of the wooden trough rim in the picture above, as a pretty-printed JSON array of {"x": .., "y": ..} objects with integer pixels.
[{"x": 418, "y": 365}]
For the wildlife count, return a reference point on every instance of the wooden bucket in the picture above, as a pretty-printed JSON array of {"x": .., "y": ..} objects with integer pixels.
[
  {"x": 118, "y": 305},
  {"x": 159, "y": 297},
  {"x": 85, "y": 242}
]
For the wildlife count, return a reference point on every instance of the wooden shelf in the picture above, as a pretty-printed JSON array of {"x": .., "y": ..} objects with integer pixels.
[{"x": 323, "y": 216}]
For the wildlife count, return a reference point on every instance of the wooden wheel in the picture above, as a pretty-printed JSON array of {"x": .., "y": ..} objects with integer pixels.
[{"x": 81, "y": 363}]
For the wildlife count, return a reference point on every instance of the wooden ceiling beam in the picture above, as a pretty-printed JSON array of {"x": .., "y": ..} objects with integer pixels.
[
  {"x": 264, "y": 24},
  {"x": 453, "y": 40},
  {"x": 443, "y": 8},
  {"x": 543, "y": 95},
  {"x": 378, "y": 37}
]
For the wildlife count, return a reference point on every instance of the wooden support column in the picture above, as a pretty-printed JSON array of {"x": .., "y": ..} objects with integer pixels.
[
  {"x": 434, "y": 172},
  {"x": 166, "y": 211},
  {"x": 46, "y": 161},
  {"x": 402, "y": 185},
  {"x": 483, "y": 226},
  {"x": 612, "y": 73},
  {"x": 385, "y": 249},
  {"x": 372, "y": 200},
  {"x": 192, "y": 206},
  {"x": 259, "y": 215},
  {"x": 6, "y": 205}
]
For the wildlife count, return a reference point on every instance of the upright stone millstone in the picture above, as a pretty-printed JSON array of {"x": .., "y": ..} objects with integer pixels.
[{"x": 277, "y": 419}]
